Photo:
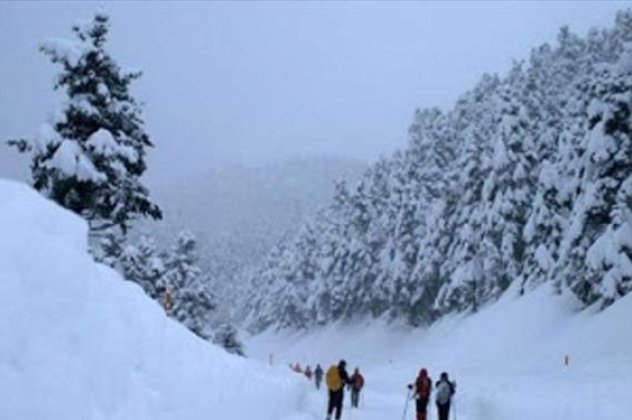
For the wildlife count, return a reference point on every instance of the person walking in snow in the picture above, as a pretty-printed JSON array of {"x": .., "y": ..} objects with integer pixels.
[
  {"x": 357, "y": 382},
  {"x": 318, "y": 375},
  {"x": 422, "y": 389},
  {"x": 443, "y": 396},
  {"x": 308, "y": 373},
  {"x": 336, "y": 378}
]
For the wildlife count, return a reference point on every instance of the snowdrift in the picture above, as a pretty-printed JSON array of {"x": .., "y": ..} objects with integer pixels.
[
  {"x": 508, "y": 359},
  {"x": 79, "y": 342}
]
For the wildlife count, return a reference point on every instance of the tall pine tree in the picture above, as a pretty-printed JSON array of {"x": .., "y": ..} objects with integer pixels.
[{"x": 91, "y": 156}]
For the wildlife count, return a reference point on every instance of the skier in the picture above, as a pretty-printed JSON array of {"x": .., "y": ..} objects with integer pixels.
[
  {"x": 357, "y": 382},
  {"x": 422, "y": 388},
  {"x": 318, "y": 375},
  {"x": 308, "y": 373},
  {"x": 336, "y": 378},
  {"x": 445, "y": 391}
]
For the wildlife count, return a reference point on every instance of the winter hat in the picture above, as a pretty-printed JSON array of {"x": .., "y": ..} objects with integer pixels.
[{"x": 423, "y": 372}]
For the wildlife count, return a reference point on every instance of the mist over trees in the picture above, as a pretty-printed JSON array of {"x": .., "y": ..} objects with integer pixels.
[
  {"x": 239, "y": 213},
  {"x": 526, "y": 180}
]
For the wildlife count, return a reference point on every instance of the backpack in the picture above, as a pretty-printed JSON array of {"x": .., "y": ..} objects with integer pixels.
[
  {"x": 423, "y": 387},
  {"x": 444, "y": 392},
  {"x": 333, "y": 379}
]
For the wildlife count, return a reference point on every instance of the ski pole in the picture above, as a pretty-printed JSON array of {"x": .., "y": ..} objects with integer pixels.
[{"x": 406, "y": 405}]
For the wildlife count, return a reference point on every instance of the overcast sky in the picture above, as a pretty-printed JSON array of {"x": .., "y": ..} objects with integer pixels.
[{"x": 257, "y": 82}]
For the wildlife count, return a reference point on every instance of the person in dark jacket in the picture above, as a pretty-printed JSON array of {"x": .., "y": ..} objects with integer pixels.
[
  {"x": 357, "y": 382},
  {"x": 318, "y": 375},
  {"x": 443, "y": 396},
  {"x": 336, "y": 378},
  {"x": 422, "y": 388}
]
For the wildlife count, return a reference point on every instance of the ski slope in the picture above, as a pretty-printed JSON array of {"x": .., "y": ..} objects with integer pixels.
[
  {"x": 79, "y": 342},
  {"x": 508, "y": 361}
]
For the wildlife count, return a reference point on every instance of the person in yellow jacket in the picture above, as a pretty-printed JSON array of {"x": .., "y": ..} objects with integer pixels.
[{"x": 336, "y": 379}]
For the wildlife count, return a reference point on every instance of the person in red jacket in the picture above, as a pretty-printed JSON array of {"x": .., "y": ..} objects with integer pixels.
[
  {"x": 357, "y": 382},
  {"x": 422, "y": 388}
]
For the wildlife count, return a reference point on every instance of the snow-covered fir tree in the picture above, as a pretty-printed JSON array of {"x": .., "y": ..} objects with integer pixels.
[
  {"x": 110, "y": 248},
  {"x": 226, "y": 337},
  {"x": 142, "y": 264},
  {"x": 89, "y": 158},
  {"x": 596, "y": 261},
  {"x": 193, "y": 301}
]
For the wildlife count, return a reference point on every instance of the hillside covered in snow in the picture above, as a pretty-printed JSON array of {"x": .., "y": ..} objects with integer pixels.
[
  {"x": 526, "y": 180},
  {"x": 79, "y": 342},
  {"x": 238, "y": 213}
]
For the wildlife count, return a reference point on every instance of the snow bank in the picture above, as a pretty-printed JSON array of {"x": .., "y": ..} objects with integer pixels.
[
  {"x": 508, "y": 359},
  {"x": 78, "y": 342}
]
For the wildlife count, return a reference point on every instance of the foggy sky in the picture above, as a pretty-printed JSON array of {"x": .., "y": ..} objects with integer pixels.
[{"x": 250, "y": 82}]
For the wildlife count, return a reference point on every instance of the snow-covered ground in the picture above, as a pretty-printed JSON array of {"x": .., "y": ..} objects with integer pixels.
[
  {"x": 78, "y": 342},
  {"x": 508, "y": 361}
]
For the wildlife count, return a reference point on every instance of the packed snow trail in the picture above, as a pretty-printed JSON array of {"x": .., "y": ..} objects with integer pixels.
[
  {"x": 544, "y": 395},
  {"x": 493, "y": 398},
  {"x": 508, "y": 361}
]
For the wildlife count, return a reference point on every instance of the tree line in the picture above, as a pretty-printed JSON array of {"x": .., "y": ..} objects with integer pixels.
[{"x": 525, "y": 181}]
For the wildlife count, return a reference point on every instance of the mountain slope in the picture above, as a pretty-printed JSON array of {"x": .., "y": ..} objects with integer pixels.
[
  {"x": 79, "y": 342},
  {"x": 526, "y": 180}
]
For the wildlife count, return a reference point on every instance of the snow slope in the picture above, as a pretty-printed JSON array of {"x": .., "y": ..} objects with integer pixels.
[
  {"x": 78, "y": 342},
  {"x": 508, "y": 360}
]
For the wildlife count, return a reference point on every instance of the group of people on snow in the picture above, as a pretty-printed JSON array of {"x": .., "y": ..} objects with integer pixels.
[
  {"x": 317, "y": 373},
  {"x": 422, "y": 389},
  {"x": 337, "y": 378}
]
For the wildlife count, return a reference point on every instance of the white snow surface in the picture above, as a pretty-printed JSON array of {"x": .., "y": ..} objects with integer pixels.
[
  {"x": 507, "y": 360},
  {"x": 79, "y": 342},
  {"x": 72, "y": 161}
]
